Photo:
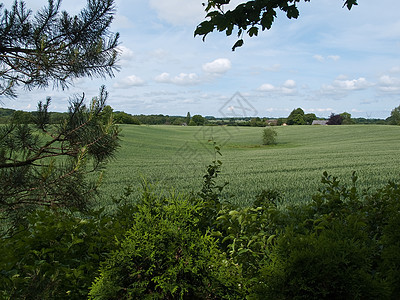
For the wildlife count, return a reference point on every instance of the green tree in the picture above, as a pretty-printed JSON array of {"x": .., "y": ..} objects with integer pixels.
[
  {"x": 269, "y": 136},
  {"x": 187, "y": 120},
  {"x": 296, "y": 117},
  {"x": 309, "y": 118},
  {"x": 22, "y": 117},
  {"x": 248, "y": 17},
  {"x": 346, "y": 118},
  {"x": 55, "y": 47},
  {"x": 124, "y": 118},
  {"x": 394, "y": 118},
  {"x": 198, "y": 120},
  {"x": 43, "y": 165},
  {"x": 46, "y": 166}
]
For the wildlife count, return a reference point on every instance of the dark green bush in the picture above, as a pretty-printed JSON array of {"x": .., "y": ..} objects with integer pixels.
[
  {"x": 344, "y": 244},
  {"x": 269, "y": 136},
  {"x": 56, "y": 257},
  {"x": 165, "y": 256}
]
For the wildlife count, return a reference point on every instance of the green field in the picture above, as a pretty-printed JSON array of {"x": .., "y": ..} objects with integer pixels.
[{"x": 175, "y": 158}]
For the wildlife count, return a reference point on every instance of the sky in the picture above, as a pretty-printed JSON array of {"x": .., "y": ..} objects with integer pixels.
[{"x": 329, "y": 60}]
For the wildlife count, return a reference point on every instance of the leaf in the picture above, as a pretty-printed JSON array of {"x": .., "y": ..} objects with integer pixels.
[
  {"x": 239, "y": 43},
  {"x": 253, "y": 31},
  {"x": 271, "y": 239},
  {"x": 204, "y": 28},
  {"x": 292, "y": 12}
]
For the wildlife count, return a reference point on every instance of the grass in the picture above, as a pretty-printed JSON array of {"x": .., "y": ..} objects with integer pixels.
[{"x": 175, "y": 157}]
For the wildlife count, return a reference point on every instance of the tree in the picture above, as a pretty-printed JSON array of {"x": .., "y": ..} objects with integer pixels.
[
  {"x": 198, "y": 120},
  {"x": 346, "y": 117},
  {"x": 394, "y": 118},
  {"x": 249, "y": 17},
  {"x": 335, "y": 120},
  {"x": 45, "y": 166},
  {"x": 54, "y": 47},
  {"x": 269, "y": 136},
  {"x": 309, "y": 118},
  {"x": 22, "y": 117},
  {"x": 296, "y": 117},
  {"x": 124, "y": 118},
  {"x": 187, "y": 120}
]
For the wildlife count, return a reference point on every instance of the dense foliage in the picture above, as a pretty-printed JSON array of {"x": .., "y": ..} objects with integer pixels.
[
  {"x": 248, "y": 17},
  {"x": 49, "y": 165},
  {"x": 53, "y": 47},
  {"x": 269, "y": 136},
  {"x": 343, "y": 244},
  {"x": 335, "y": 119},
  {"x": 394, "y": 118}
]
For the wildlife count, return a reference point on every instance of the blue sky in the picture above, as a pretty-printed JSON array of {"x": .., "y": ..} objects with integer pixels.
[{"x": 328, "y": 60}]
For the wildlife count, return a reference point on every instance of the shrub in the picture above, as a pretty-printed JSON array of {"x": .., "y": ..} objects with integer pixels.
[
  {"x": 269, "y": 136},
  {"x": 342, "y": 245},
  {"x": 165, "y": 256},
  {"x": 56, "y": 257}
]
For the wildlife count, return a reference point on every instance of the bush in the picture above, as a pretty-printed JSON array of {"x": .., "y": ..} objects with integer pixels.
[
  {"x": 56, "y": 257},
  {"x": 342, "y": 245},
  {"x": 165, "y": 256},
  {"x": 269, "y": 136}
]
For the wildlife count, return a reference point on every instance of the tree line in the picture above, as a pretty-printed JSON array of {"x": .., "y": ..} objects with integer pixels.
[{"x": 296, "y": 117}]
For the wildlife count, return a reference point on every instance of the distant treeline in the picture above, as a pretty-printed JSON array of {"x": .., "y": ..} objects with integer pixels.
[{"x": 121, "y": 117}]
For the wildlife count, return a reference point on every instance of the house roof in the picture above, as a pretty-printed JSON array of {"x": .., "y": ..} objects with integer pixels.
[{"x": 319, "y": 122}]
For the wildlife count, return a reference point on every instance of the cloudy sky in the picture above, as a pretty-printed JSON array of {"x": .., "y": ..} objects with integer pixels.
[{"x": 328, "y": 60}]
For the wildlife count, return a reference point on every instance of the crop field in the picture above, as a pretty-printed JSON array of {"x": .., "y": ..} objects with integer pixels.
[{"x": 174, "y": 158}]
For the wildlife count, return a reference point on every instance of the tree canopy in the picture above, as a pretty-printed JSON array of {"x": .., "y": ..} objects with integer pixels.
[
  {"x": 248, "y": 17},
  {"x": 52, "y": 46},
  {"x": 43, "y": 165},
  {"x": 394, "y": 118},
  {"x": 296, "y": 117}
]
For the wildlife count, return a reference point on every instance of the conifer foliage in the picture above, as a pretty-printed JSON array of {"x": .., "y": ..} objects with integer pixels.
[
  {"x": 51, "y": 46},
  {"x": 48, "y": 165},
  {"x": 43, "y": 165}
]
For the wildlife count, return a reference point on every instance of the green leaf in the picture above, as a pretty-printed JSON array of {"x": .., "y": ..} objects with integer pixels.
[
  {"x": 292, "y": 12},
  {"x": 239, "y": 43},
  {"x": 204, "y": 28},
  {"x": 253, "y": 31}
]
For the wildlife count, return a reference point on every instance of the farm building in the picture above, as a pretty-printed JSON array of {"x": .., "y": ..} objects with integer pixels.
[{"x": 319, "y": 122}]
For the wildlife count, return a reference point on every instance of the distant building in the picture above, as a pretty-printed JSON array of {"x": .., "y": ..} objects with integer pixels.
[
  {"x": 272, "y": 122},
  {"x": 319, "y": 122}
]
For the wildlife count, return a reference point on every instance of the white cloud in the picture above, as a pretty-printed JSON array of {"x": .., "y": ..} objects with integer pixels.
[
  {"x": 289, "y": 87},
  {"x": 334, "y": 57},
  {"x": 178, "y": 12},
  {"x": 341, "y": 86},
  {"x": 395, "y": 69},
  {"x": 319, "y": 110},
  {"x": 355, "y": 84},
  {"x": 122, "y": 22},
  {"x": 181, "y": 79},
  {"x": 266, "y": 87},
  {"x": 318, "y": 57},
  {"x": 126, "y": 54},
  {"x": 218, "y": 66},
  {"x": 321, "y": 58},
  {"x": 129, "y": 81},
  {"x": 290, "y": 84},
  {"x": 273, "y": 68},
  {"x": 388, "y": 84}
]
